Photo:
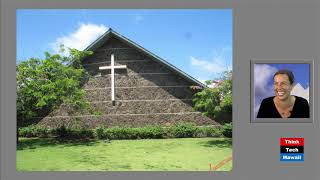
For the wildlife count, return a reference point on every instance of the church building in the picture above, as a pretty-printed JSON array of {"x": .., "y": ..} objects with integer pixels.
[{"x": 130, "y": 86}]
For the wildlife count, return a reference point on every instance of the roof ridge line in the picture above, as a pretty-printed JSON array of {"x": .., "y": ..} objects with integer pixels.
[{"x": 139, "y": 47}]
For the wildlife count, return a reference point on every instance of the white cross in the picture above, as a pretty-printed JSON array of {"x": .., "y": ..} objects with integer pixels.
[{"x": 112, "y": 67}]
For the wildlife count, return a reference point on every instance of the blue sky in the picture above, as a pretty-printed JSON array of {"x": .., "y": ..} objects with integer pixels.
[
  {"x": 199, "y": 42},
  {"x": 263, "y": 80},
  {"x": 301, "y": 72}
]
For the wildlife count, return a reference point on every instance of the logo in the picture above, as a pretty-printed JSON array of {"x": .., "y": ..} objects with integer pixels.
[{"x": 292, "y": 149}]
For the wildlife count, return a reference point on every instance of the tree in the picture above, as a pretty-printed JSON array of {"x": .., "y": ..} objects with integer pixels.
[
  {"x": 43, "y": 84},
  {"x": 216, "y": 102}
]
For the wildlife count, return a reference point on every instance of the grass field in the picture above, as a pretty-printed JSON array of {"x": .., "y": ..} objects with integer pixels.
[{"x": 185, "y": 154}]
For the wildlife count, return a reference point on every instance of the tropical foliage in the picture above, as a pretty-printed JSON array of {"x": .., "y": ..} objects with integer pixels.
[
  {"x": 43, "y": 84},
  {"x": 217, "y": 100}
]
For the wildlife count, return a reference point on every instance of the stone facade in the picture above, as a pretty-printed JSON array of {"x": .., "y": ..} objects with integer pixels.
[{"x": 146, "y": 92}]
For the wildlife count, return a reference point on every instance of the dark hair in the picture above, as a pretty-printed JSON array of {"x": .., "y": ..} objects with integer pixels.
[{"x": 286, "y": 72}]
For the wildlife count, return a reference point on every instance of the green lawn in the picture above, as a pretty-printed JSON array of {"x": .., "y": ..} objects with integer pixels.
[{"x": 184, "y": 154}]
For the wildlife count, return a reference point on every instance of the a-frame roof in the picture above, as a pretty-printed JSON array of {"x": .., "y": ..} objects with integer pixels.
[{"x": 111, "y": 33}]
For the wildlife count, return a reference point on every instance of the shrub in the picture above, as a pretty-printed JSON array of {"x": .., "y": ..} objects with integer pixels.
[
  {"x": 152, "y": 132},
  {"x": 208, "y": 131},
  {"x": 181, "y": 130},
  {"x": 116, "y": 133},
  {"x": 83, "y": 133},
  {"x": 41, "y": 131},
  {"x": 122, "y": 133},
  {"x": 33, "y": 131},
  {"x": 25, "y": 132},
  {"x": 99, "y": 133},
  {"x": 129, "y": 133},
  {"x": 227, "y": 130},
  {"x": 64, "y": 132}
]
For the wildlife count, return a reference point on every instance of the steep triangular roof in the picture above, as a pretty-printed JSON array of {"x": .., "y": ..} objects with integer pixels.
[{"x": 111, "y": 33}]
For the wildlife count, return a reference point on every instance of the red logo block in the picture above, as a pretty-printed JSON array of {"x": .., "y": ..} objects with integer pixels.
[{"x": 291, "y": 141}]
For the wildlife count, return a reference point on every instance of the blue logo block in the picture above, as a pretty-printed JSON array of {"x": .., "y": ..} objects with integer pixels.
[{"x": 296, "y": 157}]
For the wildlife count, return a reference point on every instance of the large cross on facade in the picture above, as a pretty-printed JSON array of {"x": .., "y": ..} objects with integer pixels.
[{"x": 112, "y": 67}]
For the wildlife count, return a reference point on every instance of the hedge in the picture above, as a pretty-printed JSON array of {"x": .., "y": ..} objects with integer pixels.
[{"x": 179, "y": 130}]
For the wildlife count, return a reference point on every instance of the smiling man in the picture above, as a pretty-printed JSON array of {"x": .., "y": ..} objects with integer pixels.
[{"x": 283, "y": 104}]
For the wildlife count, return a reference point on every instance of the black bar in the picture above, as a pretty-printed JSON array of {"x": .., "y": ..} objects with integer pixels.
[{"x": 291, "y": 149}]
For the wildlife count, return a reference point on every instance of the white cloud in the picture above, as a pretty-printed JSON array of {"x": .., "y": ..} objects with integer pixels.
[
  {"x": 80, "y": 38},
  {"x": 219, "y": 62},
  {"x": 215, "y": 66},
  {"x": 256, "y": 109},
  {"x": 298, "y": 90},
  {"x": 262, "y": 74}
]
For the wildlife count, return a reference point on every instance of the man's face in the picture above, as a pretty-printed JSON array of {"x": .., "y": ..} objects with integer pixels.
[{"x": 282, "y": 86}]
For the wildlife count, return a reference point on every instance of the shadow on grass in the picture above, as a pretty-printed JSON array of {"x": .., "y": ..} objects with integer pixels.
[
  {"x": 220, "y": 143},
  {"x": 33, "y": 143}
]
